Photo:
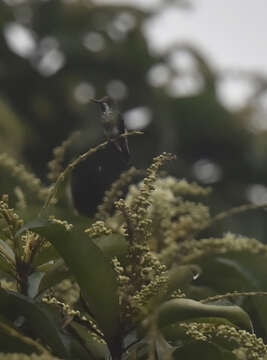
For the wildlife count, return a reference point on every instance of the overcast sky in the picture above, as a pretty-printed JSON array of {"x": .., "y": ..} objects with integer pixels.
[{"x": 232, "y": 34}]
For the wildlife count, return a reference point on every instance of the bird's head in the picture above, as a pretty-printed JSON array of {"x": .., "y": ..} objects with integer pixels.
[{"x": 106, "y": 103}]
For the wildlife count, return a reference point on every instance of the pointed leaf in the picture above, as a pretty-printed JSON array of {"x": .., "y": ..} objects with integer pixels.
[
  {"x": 206, "y": 350},
  {"x": 34, "y": 281},
  {"x": 7, "y": 259},
  {"x": 181, "y": 276},
  {"x": 95, "y": 348},
  {"x": 54, "y": 274},
  {"x": 178, "y": 310},
  {"x": 93, "y": 273},
  {"x": 112, "y": 245},
  {"x": 242, "y": 271},
  {"x": 38, "y": 317},
  {"x": 13, "y": 341}
]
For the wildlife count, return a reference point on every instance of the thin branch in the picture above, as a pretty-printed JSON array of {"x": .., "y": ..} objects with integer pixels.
[
  {"x": 233, "y": 294},
  {"x": 74, "y": 164},
  {"x": 233, "y": 211}
]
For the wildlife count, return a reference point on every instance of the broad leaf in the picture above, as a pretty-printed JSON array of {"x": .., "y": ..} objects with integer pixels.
[
  {"x": 179, "y": 310},
  {"x": 202, "y": 350},
  {"x": 237, "y": 271},
  {"x": 181, "y": 276},
  {"x": 34, "y": 280},
  {"x": 54, "y": 274},
  {"x": 96, "y": 349},
  {"x": 38, "y": 318},
  {"x": 93, "y": 273},
  {"x": 13, "y": 341},
  {"x": 7, "y": 259},
  {"x": 112, "y": 245}
]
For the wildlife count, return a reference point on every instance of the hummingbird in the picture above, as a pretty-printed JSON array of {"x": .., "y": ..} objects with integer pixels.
[
  {"x": 113, "y": 124},
  {"x": 94, "y": 176}
]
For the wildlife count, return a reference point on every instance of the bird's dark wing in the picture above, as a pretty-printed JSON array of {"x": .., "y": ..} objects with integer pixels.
[{"x": 123, "y": 142}]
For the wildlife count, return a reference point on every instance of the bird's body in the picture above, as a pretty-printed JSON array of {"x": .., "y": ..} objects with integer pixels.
[
  {"x": 95, "y": 175},
  {"x": 113, "y": 124}
]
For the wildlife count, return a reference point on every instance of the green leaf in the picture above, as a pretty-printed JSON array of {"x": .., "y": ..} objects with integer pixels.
[
  {"x": 93, "y": 273},
  {"x": 112, "y": 245},
  {"x": 180, "y": 277},
  {"x": 38, "y": 317},
  {"x": 54, "y": 274},
  {"x": 34, "y": 281},
  {"x": 31, "y": 225},
  {"x": 174, "y": 333},
  {"x": 242, "y": 271},
  {"x": 202, "y": 350},
  {"x": 7, "y": 259},
  {"x": 97, "y": 350},
  {"x": 13, "y": 341},
  {"x": 45, "y": 254},
  {"x": 178, "y": 310},
  {"x": 7, "y": 250}
]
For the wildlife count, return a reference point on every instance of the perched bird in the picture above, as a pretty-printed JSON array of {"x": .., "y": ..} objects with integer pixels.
[
  {"x": 94, "y": 176},
  {"x": 113, "y": 124}
]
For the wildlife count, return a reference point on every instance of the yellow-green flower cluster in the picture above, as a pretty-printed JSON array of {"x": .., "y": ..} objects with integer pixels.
[
  {"x": 191, "y": 217},
  {"x": 97, "y": 229},
  {"x": 67, "y": 291},
  {"x": 143, "y": 275},
  {"x": 70, "y": 312},
  {"x": 253, "y": 347},
  {"x": 122, "y": 279},
  {"x": 8, "y": 285},
  {"x": 30, "y": 244},
  {"x": 156, "y": 288},
  {"x": 26, "y": 178},
  {"x": 178, "y": 294},
  {"x": 141, "y": 202},
  {"x": 173, "y": 218},
  {"x": 65, "y": 307},
  {"x": 115, "y": 192},
  {"x": 184, "y": 188},
  {"x": 136, "y": 212},
  {"x": 67, "y": 226},
  {"x": 11, "y": 221},
  {"x": 192, "y": 249},
  {"x": 55, "y": 165}
]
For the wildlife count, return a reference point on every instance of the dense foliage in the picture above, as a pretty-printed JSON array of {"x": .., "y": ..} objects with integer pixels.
[{"x": 139, "y": 282}]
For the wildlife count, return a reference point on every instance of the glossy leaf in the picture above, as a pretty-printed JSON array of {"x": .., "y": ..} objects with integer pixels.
[
  {"x": 178, "y": 310},
  {"x": 112, "y": 245},
  {"x": 202, "y": 350},
  {"x": 34, "y": 281},
  {"x": 238, "y": 271},
  {"x": 54, "y": 274},
  {"x": 93, "y": 273},
  {"x": 45, "y": 255},
  {"x": 38, "y": 317},
  {"x": 13, "y": 341},
  {"x": 7, "y": 258},
  {"x": 97, "y": 350},
  {"x": 181, "y": 276}
]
